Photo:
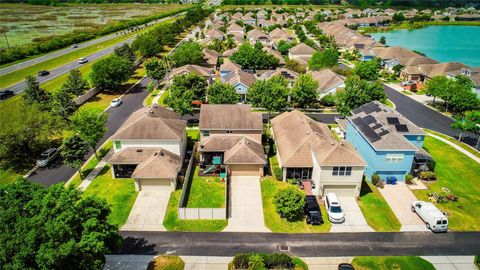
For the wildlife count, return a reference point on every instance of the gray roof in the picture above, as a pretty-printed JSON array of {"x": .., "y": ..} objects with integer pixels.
[
  {"x": 229, "y": 116},
  {"x": 383, "y": 127}
]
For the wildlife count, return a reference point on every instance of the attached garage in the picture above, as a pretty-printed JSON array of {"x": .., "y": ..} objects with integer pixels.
[
  {"x": 341, "y": 190},
  {"x": 155, "y": 184},
  {"x": 246, "y": 170}
]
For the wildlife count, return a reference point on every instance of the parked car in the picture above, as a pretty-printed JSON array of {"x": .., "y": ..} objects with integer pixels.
[
  {"x": 407, "y": 83},
  {"x": 116, "y": 102},
  {"x": 334, "y": 210},
  {"x": 429, "y": 213},
  {"x": 82, "y": 60},
  {"x": 312, "y": 210},
  {"x": 345, "y": 266},
  {"x": 6, "y": 94},
  {"x": 47, "y": 157},
  {"x": 74, "y": 46},
  {"x": 43, "y": 73}
]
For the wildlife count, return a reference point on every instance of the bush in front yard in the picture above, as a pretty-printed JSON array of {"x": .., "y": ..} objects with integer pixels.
[
  {"x": 278, "y": 173},
  {"x": 428, "y": 176},
  {"x": 375, "y": 179},
  {"x": 263, "y": 261},
  {"x": 289, "y": 203},
  {"x": 240, "y": 261},
  {"x": 408, "y": 179},
  {"x": 328, "y": 100}
]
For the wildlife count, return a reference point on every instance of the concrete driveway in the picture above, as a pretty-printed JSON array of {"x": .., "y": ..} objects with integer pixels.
[
  {"x": 246, "y": 211},
  {"x": 354, "y": 219},
  {"x": 149, "y": 210},
  {"x": 400, "y": 199}
]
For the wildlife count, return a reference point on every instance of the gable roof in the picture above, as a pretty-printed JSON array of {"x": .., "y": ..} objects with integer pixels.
[
  {"x": 439, "y": 69},
  {"x": 297, "y": 136},
  {"x": 284, "y": 72},
  {"x": 277, "y": 55},
  {"x": 301, "y": 49},
  {"x": 210, "y": 56},
  {"x": 229, "y": 116},
  {"x": 327, "y": 79},
  {"x": 255, "y": 33},
  {"x": 245, "y": 151},
  {"x": 240, "y": 76},
  {"x": 234, "y": 28},
  {"x": 229, "y": 66},
  {"x": 215, "y": 33},
  {"x": 152, "y": 123},
  {"x": 203, "y": 71},
  {"x": 394, "y": 52}
]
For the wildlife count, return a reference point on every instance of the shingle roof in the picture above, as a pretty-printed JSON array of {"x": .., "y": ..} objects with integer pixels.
[
  {"x": 284, "y": 72},
  {"x": 215, "y": 33},
  {"x": 301, "y": 49},
  {"x": 297, "y": 136},
  {"x": 234, "y": 28},
  {"x": 238, "y": 149},
  {"x": 210, "y": 56},
  {"x": 394, "y": 52},
  {"x": 256, "y": 33},
  {"x": 229, "y": 66},
  {"x": 153, "y": 122},
  {"x": 239, "y": 76},
  {"x": 228, "y": 116},
  {"x": 327, "y": 79},
  {"x": 203, "y": 71},
  {"x": 440, "y": 69}
]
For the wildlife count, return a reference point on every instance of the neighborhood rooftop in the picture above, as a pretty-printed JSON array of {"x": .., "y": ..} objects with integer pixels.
[{"x": 224, "y": 116}]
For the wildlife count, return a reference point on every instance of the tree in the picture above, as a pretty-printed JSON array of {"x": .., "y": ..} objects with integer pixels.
[
  {"x": 383, "y": 40},
  {"x": 398, "y": 17},
  {"x": 470, "y": 121},
  {"x": 367, "y": 70},
  {"x": 24, "y": 132},
  {"x": 73, "y": 152},
  {"x": 463, "y": 99},
  {"x": 358, "y": 92},
  {"x": 53, "y": 228},
  {"x": 305, "y": 91},
  {"x": 36, "y": 95},
  {"x": 222, "y": 93},
  {"x": 324, "y": 59},
  {"x": 125, "y": 52},
  {"x": 284, "y": 46},
  {"x": 250, "y": 57},
  {"x": 180, "y": 100},
  {"x": 192, "y": 82},
  {"x": 75, "y": 83},
  {"x": 147, "y": 45},
  {"x": 189, "y": 53},
  {"x": 90, "y": 126},
  {"x": 289, "y": 203},
  {"x": 295, "y": 66},
  {"x": 271, "y": 94},
  {"x": 436, "y": 86},
  {"x": 63, "y": 104},
  {"x": 157, "y": 68},
  {"x": 398, "y": 68},
  {"x": 110, "y": 72}
]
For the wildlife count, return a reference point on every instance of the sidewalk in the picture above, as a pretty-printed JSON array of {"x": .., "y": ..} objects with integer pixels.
[
  {"x": 206, "y": 263},
  {"x": 88, "y": 180},
  {"x": 325, "y": 263},
  {"x": 451, "y": 262},
  {"x": 465, "y": 152}
]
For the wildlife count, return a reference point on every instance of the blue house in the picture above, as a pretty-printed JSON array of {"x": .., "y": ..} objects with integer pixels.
[
  {"x": 241, "y": 81},
  {"x": 385, "y": 139}
]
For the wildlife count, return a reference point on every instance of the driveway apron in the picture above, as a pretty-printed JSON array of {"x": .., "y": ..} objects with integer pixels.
[{"x": 354, "y": 219}]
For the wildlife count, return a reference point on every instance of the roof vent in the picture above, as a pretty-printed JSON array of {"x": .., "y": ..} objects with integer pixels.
[
  {"x": 139, "y": 150},
  {"x": 162, "y": 154}
]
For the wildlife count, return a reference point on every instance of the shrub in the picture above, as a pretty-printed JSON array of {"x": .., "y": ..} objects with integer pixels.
[
  {"x": 289, "y": 203},
  {"x": 408, "y": 179},
  {"x": 428, "y": 176},
  {"x": 292, "y": 181},
  {"x": 375, "y": 179},
  {"x": 328, "y": 100},
  {"x": 278, "y": 173},
  {"x": 277, "y": 261},
  {"x": 255, "y": 262},
  {"x": 240, "y": 261}
]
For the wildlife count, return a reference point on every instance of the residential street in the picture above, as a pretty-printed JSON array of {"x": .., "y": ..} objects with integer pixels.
[{"x": 303, "y": 245}]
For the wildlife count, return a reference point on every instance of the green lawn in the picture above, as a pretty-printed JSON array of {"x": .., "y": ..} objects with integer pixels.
[
  {"x": 206, "y": 192},
  {"x": 408, "y": 93},
  {"x": 89, "y": 166},
  {"x": 8, "y": 176},
  {"x": 390, "y": 104},
  {"x": 461, "y": 175},
  {"x": 119, "y": 193},
  {"x": 193, "y": 134},
  {"x": 166, "y": 262},
  {"x": 172, "y": 223},
  {"x": 378, "y": 214},
  {"x": 149, "y": 99},
  {"x": 273, "y": 221},
  {"x": 455, "y": 141},
  {"x": 391, "y": 263},
  {"x": 161, "y": 100}
]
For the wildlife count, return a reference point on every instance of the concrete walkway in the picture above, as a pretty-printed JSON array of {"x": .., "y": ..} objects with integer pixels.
[
  {"x": 354, "y": 219},
  {"x": 325, "y": 263},
  {"x": 451, "y": 262},
  {"x": 88, "y": 180},
  {"x": 206, "y": 263},
  {"x": 465, "y": 152}
]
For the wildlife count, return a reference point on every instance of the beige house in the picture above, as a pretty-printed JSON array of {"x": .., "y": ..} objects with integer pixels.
[
  {"x": 206, "y": 72},
  {"x": 149, "y": 147},
  {"x": 308, "y": 151},
  {"x": 231, "y": 136},
  {"x": 279, "y": 34},
  {"x": 301, "y": 53},
  {"x": 328, "y": 82},
  {"x": 425, "y": 72}
]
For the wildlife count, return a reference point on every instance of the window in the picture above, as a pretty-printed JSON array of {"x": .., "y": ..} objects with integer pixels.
[
  {"x": 118, "y": 144},
  {"x": 229, "y": 131},
  {"x": 206, "y": 133},
  {"x": 340, "y": 171},
  {"x": 394, "y": 158}
]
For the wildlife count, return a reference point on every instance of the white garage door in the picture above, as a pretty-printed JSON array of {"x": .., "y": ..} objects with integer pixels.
[
  {"x": 154, "y": 184},
  {"x": 340, "y": 190},
  {"x": 246, "y": 170}
]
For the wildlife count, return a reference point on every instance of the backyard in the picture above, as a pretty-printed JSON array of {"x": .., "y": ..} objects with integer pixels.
[
  {"x": 461, "y": 175},
  {"x": 378, "y": 214},
  {"x": 390, "y": 263},
  {"x": 206, "y": 192},
  {"x": 273, "y": 221},
  {"x": 120, "y": 194}
]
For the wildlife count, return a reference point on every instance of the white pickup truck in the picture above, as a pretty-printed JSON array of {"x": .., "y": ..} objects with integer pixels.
[{"x": 429, "y": 213}]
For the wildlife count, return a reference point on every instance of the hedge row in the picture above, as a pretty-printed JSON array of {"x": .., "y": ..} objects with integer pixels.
[
  {"x": 271, "y": 261},
  {"x": 54, "y": 43}
]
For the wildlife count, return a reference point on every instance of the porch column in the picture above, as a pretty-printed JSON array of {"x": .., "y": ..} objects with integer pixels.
[{"x": 284, "y": 170}]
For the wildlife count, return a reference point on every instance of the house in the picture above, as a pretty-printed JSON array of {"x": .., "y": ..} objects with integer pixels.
[
  {"x": 228, "y": 67},
  {"x": 289, "y": 75},
  {"x": 301, "y": 53},
  {"x": 407, "y": 62},
  {"x": 231, "y": 136},
  {"x": 235, "y": 30},
  {"x": 307, "y": 150},
  {"x": 149, "y": 147},
  {"x": 248, "y": 19},
  {"x": 394, "y": 52},
  {"x": 328, "y": 82},
  {"x": 279, "y": 34},
  {"x": 472, "y": 73},
  {"x": 425, "y": 72},
  {"x": 255, "y": 35},
  {"x": 211, "y": 58},
  {"x": 206, "y": 72},
  {"x": 276, "y": 54},
  {"x": 237, "y": 16},
  {"x": 241, "y": 80},
  {"x": 385, "y": 139},
  {"x": 215, "y": 34}
]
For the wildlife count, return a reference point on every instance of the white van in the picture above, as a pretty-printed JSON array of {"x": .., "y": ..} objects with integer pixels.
[
  {"x": 334, "y": 210},
  {"x": 429, "y": 213}
]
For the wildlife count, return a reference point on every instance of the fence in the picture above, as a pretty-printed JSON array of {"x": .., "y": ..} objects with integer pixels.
[{"x": 197, "y": 213}]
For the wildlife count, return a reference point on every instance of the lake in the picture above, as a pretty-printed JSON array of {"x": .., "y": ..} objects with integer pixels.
[{"x": 442, "y": 43}]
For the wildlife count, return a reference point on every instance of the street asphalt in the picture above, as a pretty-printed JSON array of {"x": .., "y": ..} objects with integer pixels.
[{"x": 302, "y": 245}]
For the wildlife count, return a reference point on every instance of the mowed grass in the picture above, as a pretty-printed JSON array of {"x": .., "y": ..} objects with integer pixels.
[
  {"x": 455, "y": 141},
  {"x": 149, "y": 99},
  {"x": 119, "y": 193},
  {"x": 172, "y": 223},
  {"x": 461, "y": 175},
  {"x": 166, "y": 262},
  {"x": 376, "y": 210},
  {"x": 8, "y": 176},
  {"x": 272, "y": 219},
  {"x": 391, "y": 263},
  {"x": 206, "y": 192}
]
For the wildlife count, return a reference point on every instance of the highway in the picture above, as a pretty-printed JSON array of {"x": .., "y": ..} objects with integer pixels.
[{"x": 19, "y": 87}]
